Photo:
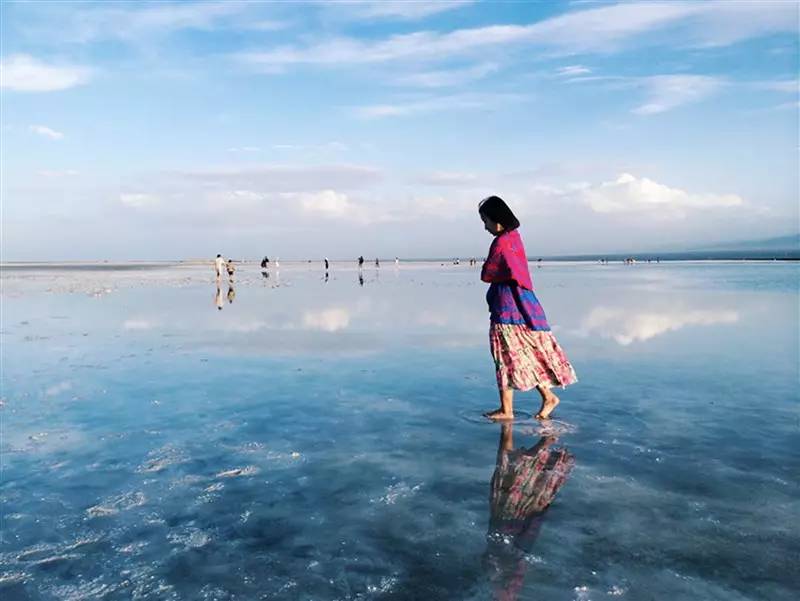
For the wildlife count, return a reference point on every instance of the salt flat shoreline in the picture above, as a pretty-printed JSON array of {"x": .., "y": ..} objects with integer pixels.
[{"x": 316, "y": 263}]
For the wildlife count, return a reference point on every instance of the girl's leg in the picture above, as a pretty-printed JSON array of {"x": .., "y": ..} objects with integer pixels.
[
  {"x": 506, "y": 410},
  {"x": 549, "y": 402}
]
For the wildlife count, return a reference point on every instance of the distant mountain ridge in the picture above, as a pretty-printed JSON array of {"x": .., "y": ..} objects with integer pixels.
[
  {"x": 764, "y": 249},
  {"x": 790, "y": 242}
]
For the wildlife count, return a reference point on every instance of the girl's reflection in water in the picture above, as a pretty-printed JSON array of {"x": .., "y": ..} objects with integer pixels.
[{"x": 524, "y": 484}]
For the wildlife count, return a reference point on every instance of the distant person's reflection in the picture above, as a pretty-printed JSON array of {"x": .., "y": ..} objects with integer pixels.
[
  {"x": 231, "y": 294},
  {"x": 265, "y": 274},
  {"x": 326, "y": 277},
  {"x": 524, "y": 484},
  {"x": 360, "y": 279},
  {"x": 218, "y": 300}
]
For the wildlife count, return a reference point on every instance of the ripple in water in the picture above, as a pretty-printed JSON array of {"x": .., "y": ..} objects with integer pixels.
[
  {"x": 473, "y": 417},
  {"x": 116, "y": 504},
  {"x": 401, "y": 490},
  {"x": 190, "y": 538},
  {"x": 249, "y": 470}
]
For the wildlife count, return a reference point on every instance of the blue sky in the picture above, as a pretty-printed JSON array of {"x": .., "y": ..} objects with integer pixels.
[{"x": 301, "y": 129}]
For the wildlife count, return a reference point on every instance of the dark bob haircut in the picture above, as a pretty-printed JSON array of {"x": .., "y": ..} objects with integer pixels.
[{"x": 496, "y": 209}]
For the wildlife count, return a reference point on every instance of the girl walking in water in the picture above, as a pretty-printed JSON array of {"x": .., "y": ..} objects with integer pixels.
[{"x": 526, "y": 354}]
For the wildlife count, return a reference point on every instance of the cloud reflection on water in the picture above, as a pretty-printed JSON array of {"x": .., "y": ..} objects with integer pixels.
[
  {"x": 327, "y": 320},
  {"x": 626, "y": 326}
]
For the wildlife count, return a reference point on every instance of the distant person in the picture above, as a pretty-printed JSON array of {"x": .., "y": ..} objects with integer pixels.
[
  {"x": 360, "y": 262},
  {"x": 231, "y": 269},
  {"x": 277, "y": 262},
  {"x": 327, "y": 264},
  {"x": 397, "y": 261},
  {"x": 525, "y": 351},
  {"x": 219, "y": 266},
  {"x": 264, "y": 263},
  {"x": 377, "y": 263}
]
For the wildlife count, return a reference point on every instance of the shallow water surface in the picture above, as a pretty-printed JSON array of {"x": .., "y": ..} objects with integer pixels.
[{"x": 306, "y": 437}]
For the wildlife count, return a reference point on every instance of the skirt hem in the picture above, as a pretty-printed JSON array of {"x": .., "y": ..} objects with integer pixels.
[{"x": 526, "y": 359}]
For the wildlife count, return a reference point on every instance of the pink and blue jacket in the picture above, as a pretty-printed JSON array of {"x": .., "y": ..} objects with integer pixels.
[{"x": 510, "y": 296}]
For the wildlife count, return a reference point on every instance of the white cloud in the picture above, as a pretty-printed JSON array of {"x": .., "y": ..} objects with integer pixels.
[
  {"x": 377, "y": 10},
  {"x": 138, "y": 22},
  {"x": 338, "y": 146},
  {"x": 46, "y": 132},
  {"x": 628, "y": 194},
  {"x": 138, "y": 200},
  {"x": 791, "y": 86},
  {"x": 327, "y": 203},
  {"x": 448, "y": 77},
  {"x": 666, "y": 92},
  {"x": 433, "y": 104},
  {"x": 400, "y": 9},
  {"x": 662, "y": 93},
  {"x": 282, "y": 178},
  {"x": 325, "y": 147},
  {"x": 723, "y": 22},
  {"x": 787, "y": 105},
  {"x": 626, "y": 326},
  {"x": 448, "y": 178},
  {"x": 266, "y": 25},
  {"x": 573, "y": 70},
  {"x": 600, "y": 29},
  {"x": 58, "y": 172},
  {"x": 24, "y": 73}
]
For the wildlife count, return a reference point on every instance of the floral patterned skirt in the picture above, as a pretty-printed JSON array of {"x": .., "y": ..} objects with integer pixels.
[{"x": 525, "y": 358}]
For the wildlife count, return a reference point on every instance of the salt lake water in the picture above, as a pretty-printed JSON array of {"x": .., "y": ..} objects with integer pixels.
[{"x": 304, "y": 438}]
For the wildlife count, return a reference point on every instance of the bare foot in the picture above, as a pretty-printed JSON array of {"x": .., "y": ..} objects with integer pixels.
[
  {"x": 549, "y": 403},
  {"x": 498, "y": 414}
]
